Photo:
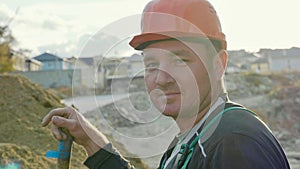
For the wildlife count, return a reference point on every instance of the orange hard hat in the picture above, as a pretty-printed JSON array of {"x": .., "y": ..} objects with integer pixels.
[{"x": 163, "y": 19}]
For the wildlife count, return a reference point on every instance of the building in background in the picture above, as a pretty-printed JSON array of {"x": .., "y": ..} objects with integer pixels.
[
  {"x": 33, "y": 65},
  {"x": 52, "y": 62},
  {"x": 282, "y": 59},
  {"x": 90, "y": 73},
  {"x": 260, "y": 65},
  {"x": 240, "y": 61},
  {"x": 136, "y": 65},
  {"x": 18, "y": 61},
  {"x": 21, "y": 63}
]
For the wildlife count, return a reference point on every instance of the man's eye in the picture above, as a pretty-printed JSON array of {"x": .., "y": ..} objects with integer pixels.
[
  {"x": 180, "y": 61},
  {"x": 151, "y": 66}
]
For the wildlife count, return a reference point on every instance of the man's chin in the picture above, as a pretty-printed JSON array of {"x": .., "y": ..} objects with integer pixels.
[
  {"x": 170, "y": 113},
  {"x": 170, "y": 110},
  {"x": 187, "y": 113}
]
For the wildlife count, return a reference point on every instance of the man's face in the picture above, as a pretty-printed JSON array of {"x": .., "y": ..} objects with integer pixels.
[{"x": 176, "y": 78}]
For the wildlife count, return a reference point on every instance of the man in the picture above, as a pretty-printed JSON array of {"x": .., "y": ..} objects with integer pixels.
[{"x": 185, "y": 58}]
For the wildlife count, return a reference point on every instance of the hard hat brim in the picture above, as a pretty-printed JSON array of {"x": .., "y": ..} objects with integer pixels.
[{"x": 142, "y": 41}]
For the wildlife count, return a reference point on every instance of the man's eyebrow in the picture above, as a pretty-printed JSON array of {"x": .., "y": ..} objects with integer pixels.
[
  {"x": 180, "y": 52},
  {"x": 171, "y": 53}
]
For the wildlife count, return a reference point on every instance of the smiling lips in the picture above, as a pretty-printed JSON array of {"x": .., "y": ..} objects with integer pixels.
[{"x": 170, "y": 95}]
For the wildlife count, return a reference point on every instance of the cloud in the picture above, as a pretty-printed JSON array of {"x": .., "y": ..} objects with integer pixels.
[
  {"x": 64, "y": 27},
  {"x": 42, "y": 18},
  {"x": 95, "y": 44},
  {"x": 60, "y": 49},
  {"x": 36, "y": 28},
  {"x": 54, "y": 23},
  {"x": 5, "y": 14},
  {"x": 87, "y": 45}
]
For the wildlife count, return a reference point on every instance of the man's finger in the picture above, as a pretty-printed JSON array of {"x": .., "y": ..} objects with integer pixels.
[
  {"x": 64, "y": 112},
  {"x": 57, "y": 132},
  {"x": 68, "y": 124}
]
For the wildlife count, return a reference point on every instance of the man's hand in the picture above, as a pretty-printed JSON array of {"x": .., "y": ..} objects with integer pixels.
[{"x": 83, "y": 132}]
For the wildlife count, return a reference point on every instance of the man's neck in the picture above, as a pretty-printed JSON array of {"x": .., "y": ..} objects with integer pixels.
[{"x": 186, "y": 124}]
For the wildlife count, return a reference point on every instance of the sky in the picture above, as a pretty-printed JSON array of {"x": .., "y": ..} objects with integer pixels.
[{"x": 63, "y": 27}]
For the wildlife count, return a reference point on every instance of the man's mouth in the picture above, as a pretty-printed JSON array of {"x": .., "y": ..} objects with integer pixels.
[
  {"x": 166, "y": 94},
  {"x": 170, "y": 95}
]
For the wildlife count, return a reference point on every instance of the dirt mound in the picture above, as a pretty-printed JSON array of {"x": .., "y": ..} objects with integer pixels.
[
  {"x": 21, "y": 156},
  {"x": 23, "y": 141},
  {"x": 22, "y": 106},
  {"x": 126, "y": 112}
]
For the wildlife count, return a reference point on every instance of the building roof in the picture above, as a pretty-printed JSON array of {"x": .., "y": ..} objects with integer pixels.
[
  {"x": 33, "y": 61},
  {"x": 88, "y": 60},
  {"x": 292, "y": 52},
  {"x": 261, "y": 60},
  {"x": 47, "y": 57},
  {"x": 231, "y": 64},
  {"x": 135, "y": 58}
]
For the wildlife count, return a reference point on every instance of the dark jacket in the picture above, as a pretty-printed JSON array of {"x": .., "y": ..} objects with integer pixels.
[{"x": 238, "y": 140}]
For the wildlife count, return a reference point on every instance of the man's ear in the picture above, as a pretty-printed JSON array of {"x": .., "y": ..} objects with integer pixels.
[
  {"x": 223, "y": 55},
  {"x": 220, "y": 63}
]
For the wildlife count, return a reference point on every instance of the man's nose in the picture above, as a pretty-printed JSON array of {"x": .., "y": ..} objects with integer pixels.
[{"x": 164, "y": 78}]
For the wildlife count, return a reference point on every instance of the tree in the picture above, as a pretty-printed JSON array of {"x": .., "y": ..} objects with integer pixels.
[
  {"x": 6, "y": 39},
  {"x": 6, "y": 62}
]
